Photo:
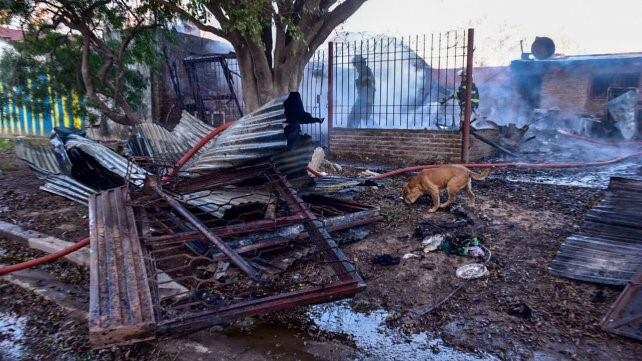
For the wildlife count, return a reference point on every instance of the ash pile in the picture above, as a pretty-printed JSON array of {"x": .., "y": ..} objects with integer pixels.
[{"x": 195, "y": 227}]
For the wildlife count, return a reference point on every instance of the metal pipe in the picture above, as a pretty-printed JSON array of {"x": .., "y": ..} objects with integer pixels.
[
  {"x": 237, "y": 260},
  {"x": 465, "y": 127}
]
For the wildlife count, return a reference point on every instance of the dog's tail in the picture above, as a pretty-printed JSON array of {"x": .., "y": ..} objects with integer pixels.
[{"x": 479, "y": 176}]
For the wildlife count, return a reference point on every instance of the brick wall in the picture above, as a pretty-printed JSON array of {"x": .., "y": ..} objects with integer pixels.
[
  {"x": 394, "y": 146},
  {"x": 566, "y": 89},
  {"x": 569, "y": 88}
]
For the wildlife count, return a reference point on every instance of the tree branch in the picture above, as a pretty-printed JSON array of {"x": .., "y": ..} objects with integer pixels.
[
  {"x": 333, "y": 19},
  {"x": 192, "y": 19}
]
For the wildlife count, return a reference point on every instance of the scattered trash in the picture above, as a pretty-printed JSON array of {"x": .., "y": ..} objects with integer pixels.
[
  {"x": 471, "y": 271},
  {"x": 318, "y": 158},
  {"x": 476, "y": 251},
  {"x": 368, "y": 173},
  {"x": 466, "y": 247},
  {"x": 520, "y": 310},
  {"x": 386, "y": 260},
  {"x": 432, "y": 243},
  {"x": 410, "y": 255}
]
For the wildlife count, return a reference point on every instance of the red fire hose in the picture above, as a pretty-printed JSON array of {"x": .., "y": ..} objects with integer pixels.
[
  {"x": 45, "y": 259},
  {"x": 516, "y": 165},
  {"x": 597, "y": 141},
  {"x": 200, "y": 144}
]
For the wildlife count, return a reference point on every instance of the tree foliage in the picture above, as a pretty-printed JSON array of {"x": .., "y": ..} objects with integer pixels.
[
  {"x": 273, "y": 39},
  {"x": 97, "y": 47}
]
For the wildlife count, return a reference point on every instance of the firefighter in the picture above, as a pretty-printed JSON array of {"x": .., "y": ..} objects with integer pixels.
[{"x": 460, "y": 95}]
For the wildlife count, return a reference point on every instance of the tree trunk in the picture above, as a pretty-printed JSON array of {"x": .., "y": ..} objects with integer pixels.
[{"x": 262, "y": 82}]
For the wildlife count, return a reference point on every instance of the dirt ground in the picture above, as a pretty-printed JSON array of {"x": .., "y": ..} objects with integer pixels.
[{"x": 518, "y": 312}]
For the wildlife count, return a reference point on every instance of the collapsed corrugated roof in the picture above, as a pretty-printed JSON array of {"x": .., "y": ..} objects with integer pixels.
[
  {"x": 47, "y": 167},
  {"x": 154, "y": 141},
  {"x": 39, "y": 158},
  {"x": 190, "y": 129},
  {"x": 109, "y": 159},
  {"x": 255, "y": 136}
]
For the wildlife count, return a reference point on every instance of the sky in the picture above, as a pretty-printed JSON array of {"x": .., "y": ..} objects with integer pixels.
[{"x": 576, "y": 26}]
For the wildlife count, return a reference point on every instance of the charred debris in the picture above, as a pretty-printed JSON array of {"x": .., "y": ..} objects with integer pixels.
[{"x": 240, "y": 230}]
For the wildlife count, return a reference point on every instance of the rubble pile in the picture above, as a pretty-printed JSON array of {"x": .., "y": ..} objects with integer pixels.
[{"x": 240, "y": 230}]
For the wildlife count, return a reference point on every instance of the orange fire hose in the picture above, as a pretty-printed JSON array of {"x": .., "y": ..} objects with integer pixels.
[
  {"x": 597, "y": 141},
  {"x": 45, "y": 259},
  {"x": 516, "y": 165},
  {"x": 200, "y": 144}
]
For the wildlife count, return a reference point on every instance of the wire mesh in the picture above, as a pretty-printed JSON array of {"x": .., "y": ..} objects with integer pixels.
[
  {"x": 255, "y": 212},
  {"x": 398, "y": 82},
  {"x": 216, "y": 89}
]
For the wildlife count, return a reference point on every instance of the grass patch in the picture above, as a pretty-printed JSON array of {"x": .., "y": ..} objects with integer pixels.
[
  {"x": 6, "y": 144},
  {"x": 8, "y": 166}
]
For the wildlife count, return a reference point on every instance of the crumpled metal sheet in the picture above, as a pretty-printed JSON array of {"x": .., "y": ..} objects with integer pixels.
[
  {"x": 258, "y": 135},
  {"x": 67, "y": 187},
  {"x": 190, "y": 129},
  {"x": 217, "y": 203},
  {"x": 39, "y": 157},
  {"x": 153, "y": 141},
  {"x": 109, "y": 159},
  {"x": 331, "y": 184},
  {"x": 44, "y": 162},
  {"x": 623, "y": 110}
]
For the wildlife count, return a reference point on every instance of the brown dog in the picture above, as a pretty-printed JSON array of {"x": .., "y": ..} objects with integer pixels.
[{"x": 432, "y": 181}]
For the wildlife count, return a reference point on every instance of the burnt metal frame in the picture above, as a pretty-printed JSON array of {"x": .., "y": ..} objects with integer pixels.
[
  {"x": 192, "y": 76},
  {"x": 624, "y": 316},
  {"x": 348, "y": 284}
]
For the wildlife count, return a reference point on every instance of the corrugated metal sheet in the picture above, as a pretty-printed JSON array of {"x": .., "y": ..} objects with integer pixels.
[
  {"x": 44, "y": 162},
  {"x": 39, "y": 157},
  {"x": 255, "y": 136},
  {"x": 292, "y": 161},
  {"x": 331, "y": 184},
  {"x": 121, "y": 306},
  {"x": 190, "y": 129},
  {"x": 67, "y": 187},
  {"x": 154, "y": 141},
  {"x": 608, "y": 246},
  {"x": 217, "y": 203},
  {"x": 625, "y": 315},
  {"x": 109, "y": 159}
]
